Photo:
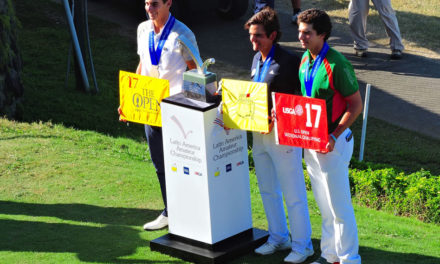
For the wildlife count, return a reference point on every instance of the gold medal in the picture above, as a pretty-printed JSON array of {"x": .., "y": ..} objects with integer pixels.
[{"x": 154, "y": 71}]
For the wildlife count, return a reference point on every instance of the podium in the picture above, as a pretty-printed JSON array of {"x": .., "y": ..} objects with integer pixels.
[{"x": 207, "y": 182}]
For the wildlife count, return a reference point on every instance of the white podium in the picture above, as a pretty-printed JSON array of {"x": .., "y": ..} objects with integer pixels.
[{"x": 207, "y": 182}]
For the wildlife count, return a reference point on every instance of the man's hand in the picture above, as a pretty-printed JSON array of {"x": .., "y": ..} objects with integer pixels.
[
  {"x": 271, "y": 124},
  {"x": 121, "y": 115},
  {"x": 272, "y": 119},
  {"x": 329, "y": 147}
]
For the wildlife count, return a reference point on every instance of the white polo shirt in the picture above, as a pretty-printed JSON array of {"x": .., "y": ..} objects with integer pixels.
[{"x": 173, "y": 59}]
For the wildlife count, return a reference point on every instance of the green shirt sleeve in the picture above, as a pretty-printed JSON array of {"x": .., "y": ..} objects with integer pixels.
[{"x": 344, "y": 78}]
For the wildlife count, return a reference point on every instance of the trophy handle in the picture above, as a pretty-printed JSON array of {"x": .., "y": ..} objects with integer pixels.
[{"x": 201, "y": 66}]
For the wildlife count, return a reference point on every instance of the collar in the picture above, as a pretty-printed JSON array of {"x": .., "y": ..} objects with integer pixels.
[{"x": 151, "y": 26}]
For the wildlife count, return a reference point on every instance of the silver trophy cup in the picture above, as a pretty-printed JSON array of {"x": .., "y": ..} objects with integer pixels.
[{"x": 199, "y": 84}]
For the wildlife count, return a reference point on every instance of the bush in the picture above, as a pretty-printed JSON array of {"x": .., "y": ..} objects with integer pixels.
[{"x": 416, "y": 194}]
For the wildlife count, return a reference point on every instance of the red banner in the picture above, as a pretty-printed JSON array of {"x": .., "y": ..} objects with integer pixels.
[{"x": 301, "y": 121}]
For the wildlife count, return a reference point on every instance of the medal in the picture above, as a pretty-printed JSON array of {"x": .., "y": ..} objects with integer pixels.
[
  {"x": 154, "y": 71},
  {"x": 309, "y": 78},
  {"x": 260, "y": 76},
  {"x": 155, "y": 53}
]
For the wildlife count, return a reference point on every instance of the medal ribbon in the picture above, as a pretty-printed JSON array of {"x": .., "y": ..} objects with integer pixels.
[
  {"x": 155, "y": 54},
  {"x": 260, "y": 77},
  {"x": 308, "y": 78}
]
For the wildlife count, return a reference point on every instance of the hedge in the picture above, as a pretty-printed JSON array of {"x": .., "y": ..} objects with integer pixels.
[
  {"x": 416, "y": 194},
  {"x": 383, "y": 188}
]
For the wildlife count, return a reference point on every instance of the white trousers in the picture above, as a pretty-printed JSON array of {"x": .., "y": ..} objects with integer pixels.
[
  {"x": 329, "y": 177},
  {"x": 280, "y": 173},
  {"x": 357, "y": 17}
]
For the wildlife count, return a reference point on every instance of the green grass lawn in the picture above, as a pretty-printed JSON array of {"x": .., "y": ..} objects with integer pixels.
[
  {"x": 70, "y": 196},
  {"x": 78, "y": 185}
]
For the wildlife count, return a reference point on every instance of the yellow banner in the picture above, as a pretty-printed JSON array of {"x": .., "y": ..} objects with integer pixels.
[
  {"x": 245, "y": 105},
  {"x": 140, "y": 97}
]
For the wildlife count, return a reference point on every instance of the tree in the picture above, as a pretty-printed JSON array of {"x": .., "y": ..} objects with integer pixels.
[{"x": 11, "y": 87}]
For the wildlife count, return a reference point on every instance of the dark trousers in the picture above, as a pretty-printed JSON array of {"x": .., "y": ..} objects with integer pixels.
[
  {"x": 155, "y": 143},
  {"x": 260, "y": 4}
]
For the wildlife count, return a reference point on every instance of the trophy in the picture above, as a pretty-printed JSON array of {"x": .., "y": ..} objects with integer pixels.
[{"x": 199, "y": 84}]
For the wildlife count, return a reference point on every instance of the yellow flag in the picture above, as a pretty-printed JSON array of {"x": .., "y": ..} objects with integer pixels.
[
  {"x": 140, "y": 97},
  {"x": 245, "y": 105}
]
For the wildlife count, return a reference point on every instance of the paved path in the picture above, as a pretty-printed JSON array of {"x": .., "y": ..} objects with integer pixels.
[{"x": 405, "y": 93}]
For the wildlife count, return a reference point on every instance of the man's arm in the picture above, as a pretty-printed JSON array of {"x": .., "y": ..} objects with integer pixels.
[
  {"x": 139, "y": 68},
  {"x": 354, "y": 109}
]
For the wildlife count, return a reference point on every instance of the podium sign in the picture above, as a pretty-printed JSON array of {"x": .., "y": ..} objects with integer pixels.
[
  {"x": 301, "y": 121},
  {"x": 140, "y": 97},
  {"x": 207, "y": 173},
  {"x": 245, "y": 105}
]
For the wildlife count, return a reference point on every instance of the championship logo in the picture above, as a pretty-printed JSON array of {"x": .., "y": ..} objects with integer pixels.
[
  {"x": 245, "y": 105},
  {"x": 140, "y": 97},
  {"x": 309, "y": 117}
]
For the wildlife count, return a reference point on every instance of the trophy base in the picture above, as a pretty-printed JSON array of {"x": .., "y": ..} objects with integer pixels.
[
  {"x": 220, "y": 252},
  {"x": 201, "y": 87},
  {"x": 207, "y": 98}
]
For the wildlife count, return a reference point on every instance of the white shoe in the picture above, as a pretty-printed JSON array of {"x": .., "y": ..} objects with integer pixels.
[
  {"x": 296, "y": 257},
  {"x": 159, "y": 223},
  {"x": 268, "y": 248}
]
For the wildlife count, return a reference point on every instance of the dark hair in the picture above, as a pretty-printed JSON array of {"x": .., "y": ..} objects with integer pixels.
[
  {"x": 269, "y": 19},
  {"x": 319, "y": 19},
  {"x": 163, "y": 1}
]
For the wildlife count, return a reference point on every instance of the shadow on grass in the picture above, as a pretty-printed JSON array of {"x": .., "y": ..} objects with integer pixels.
[
  {"x": 81, "y": 212},
  {"x": 116, "y": 239},
  {"x": 107, "y": 244},
  {"x": 91, "y": 244}
]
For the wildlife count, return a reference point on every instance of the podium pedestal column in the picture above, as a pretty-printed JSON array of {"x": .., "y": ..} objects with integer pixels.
[{"x": 207, "y": 181}]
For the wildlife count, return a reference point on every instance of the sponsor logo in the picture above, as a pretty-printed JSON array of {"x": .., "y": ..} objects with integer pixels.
[
  {"x": 217, "y": 173},
  {"x": 185, "y": 134},
  {"x": 220, "y": 123},
  {"x": 147, "y": 103},
  {"x": 246, "y": 106},
  {"x": 240, "y": 163},
  {"x": 198, "y": 173},
  {"x": 186, "y": 170},
  {"x": 298, "y": 110},
  {"x": 174, "y": 168},
  {"x": 228, "y": 167}
]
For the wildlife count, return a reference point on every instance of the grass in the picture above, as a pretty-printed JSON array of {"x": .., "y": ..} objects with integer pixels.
[
  {"x": 79, "y": 196},
  {"x": 77, "y": 185}
]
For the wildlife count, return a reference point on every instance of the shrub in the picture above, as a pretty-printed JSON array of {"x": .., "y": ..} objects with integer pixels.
[{"x": 416, "y": 194}]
